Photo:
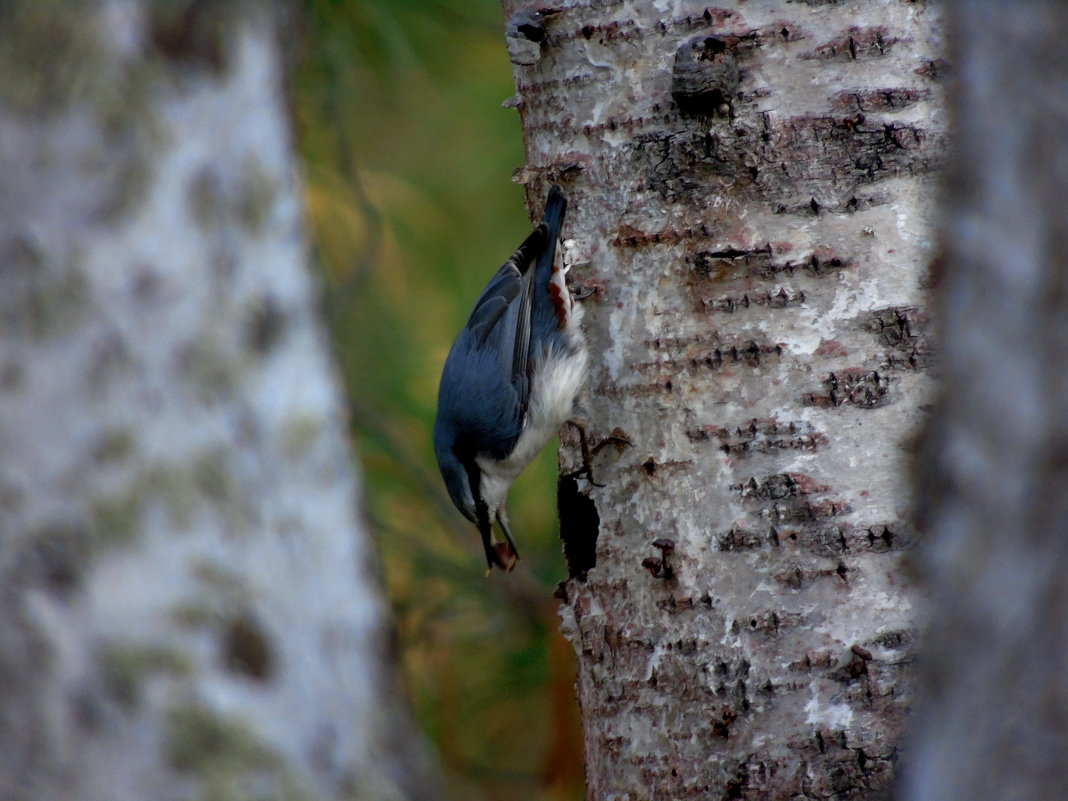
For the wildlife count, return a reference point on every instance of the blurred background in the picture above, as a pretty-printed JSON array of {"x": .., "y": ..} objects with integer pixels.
[{"x": 407, "y": 157}]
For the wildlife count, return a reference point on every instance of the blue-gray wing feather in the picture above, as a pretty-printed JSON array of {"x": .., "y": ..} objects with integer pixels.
[
  {"x": 502, "y": 314},
  {"x": 485, "y": 386}
]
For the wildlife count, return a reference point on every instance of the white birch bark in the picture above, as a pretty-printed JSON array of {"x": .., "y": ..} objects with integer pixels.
[
  {"x": 757, "y": 263},
  {"x": 187, "y": 603}
]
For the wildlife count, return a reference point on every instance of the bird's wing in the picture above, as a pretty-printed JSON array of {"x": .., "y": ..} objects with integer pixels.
[{"x": 508, "y": 297}]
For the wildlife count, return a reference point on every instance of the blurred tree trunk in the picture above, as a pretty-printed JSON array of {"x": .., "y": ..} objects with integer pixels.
[
  {"x": 188, "y": 607},
  {"x": 752, "y": 218},
  {"x": 993, "y": 487}
]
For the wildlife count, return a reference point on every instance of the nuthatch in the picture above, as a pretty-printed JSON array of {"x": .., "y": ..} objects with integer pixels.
[{"x": 511, "y": 380}]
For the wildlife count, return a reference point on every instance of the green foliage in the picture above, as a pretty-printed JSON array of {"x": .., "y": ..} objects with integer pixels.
[{"x": 408, "y": 157}]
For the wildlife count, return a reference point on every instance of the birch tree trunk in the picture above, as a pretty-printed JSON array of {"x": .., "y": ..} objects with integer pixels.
[
  {"x": 751, "y": 191},
  {"x": 993, "y": 721},
  {"x": 187, "y": 605}
]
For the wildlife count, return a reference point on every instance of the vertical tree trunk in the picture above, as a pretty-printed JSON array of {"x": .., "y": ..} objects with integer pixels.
[
  {"x": 751, "y": 189},
  {"x": 187, "y": 608},
  {"x": 993, "y": 722}
]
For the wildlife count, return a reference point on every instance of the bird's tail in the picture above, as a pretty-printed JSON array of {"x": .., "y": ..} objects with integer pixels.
[
  {"x": 555, "y": 206},
  {"x": 551, "y": 307}
]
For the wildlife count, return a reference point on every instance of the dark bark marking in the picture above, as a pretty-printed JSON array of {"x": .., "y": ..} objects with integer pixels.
[
  {"x": 933, "y": 69},
  {"x": 854, "y": 386},
  {"x": 740, "y": 539},
  {"x": 808, "y": 511},
  {"x": 831, "y": 349},
  {"x": 895, "y": 640},
  {"x": 538, "y": 94},
  {"x": 716, "y": 17},
  {"x": 246, "y": 648},
  {"x": 265, "y": 326},
  {"x": 772, "y": 300},
  {"x": 712, "y": 351},
  {"x": 705, "y": 75},
  {"x": 903, "y": 332},
  {"x": 55, "y": 557},
  {"x": 797, "y": 577},
  {"x": 859, "y": 44},
  {"x": 190, "y": 33},
  {"x": 882, "y": 538},
  {"x": 704, "y": 261},
  {"x": 630, "y": 237},
  {"x": 855, "y": 148},
  {"x": 651, "y": 467},
  {"x": 719, "y": 267},
  {"x": 872, "y": 100},
  {"x": 780, "y": 485},
  {"x": 812, "y": 661},
  {"x": 651, "y": 389},
  {"x": 615, "y": 31},
  {"x": 790, "y": 501},
  {"x": 856, "y": 201},
  {"x": 786, "y": 162},
  {"x": 822, "y": 540},
  {"x": 721, "y": 727},
  {"x": 750, "y": 354}
]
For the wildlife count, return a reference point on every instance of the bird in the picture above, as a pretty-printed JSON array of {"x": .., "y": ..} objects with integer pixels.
[{"x": 512, "y": 378}]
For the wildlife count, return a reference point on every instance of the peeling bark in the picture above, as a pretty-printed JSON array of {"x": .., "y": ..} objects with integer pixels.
[
  {"x": 750, "y": 193},
  {"x": 993, "y": 478},
  {"x": 187, "y": 608}
]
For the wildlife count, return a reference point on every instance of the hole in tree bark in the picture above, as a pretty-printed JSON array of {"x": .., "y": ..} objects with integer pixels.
[{"x": 579, "y": 526}]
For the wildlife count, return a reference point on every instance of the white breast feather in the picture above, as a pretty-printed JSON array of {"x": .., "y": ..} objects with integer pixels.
[{"x": 556, "y": 382}]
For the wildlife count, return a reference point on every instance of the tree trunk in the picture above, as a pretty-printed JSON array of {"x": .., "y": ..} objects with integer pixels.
[
  {"x": 751, "y": 188},
  {"x": 187, "y": 604},
  {"x": 993, "y": 480}
]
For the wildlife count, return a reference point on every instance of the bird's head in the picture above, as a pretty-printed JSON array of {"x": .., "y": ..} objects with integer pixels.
[
  {"x": 458, "y": 480},
  {"x": 464, "y": 481}
]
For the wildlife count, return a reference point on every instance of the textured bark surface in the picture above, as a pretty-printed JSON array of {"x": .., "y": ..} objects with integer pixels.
[
  {"x": 757, "y": 261},
  {"x": 993, "y": 483},
  {"x": 187, "y": 608}
]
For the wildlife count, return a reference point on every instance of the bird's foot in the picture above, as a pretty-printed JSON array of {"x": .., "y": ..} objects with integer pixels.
[{"x": 587, "y": 465}]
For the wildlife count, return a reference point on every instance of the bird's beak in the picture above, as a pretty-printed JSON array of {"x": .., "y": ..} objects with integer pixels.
[
  {"x": 485, "y": 530},
  {"x": 503, "y": 522}
]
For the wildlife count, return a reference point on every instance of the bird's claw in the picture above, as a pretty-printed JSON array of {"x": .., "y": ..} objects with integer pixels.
[
  {"x": 586, "y": 471},
  {"x": 587, "y": 464}
]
